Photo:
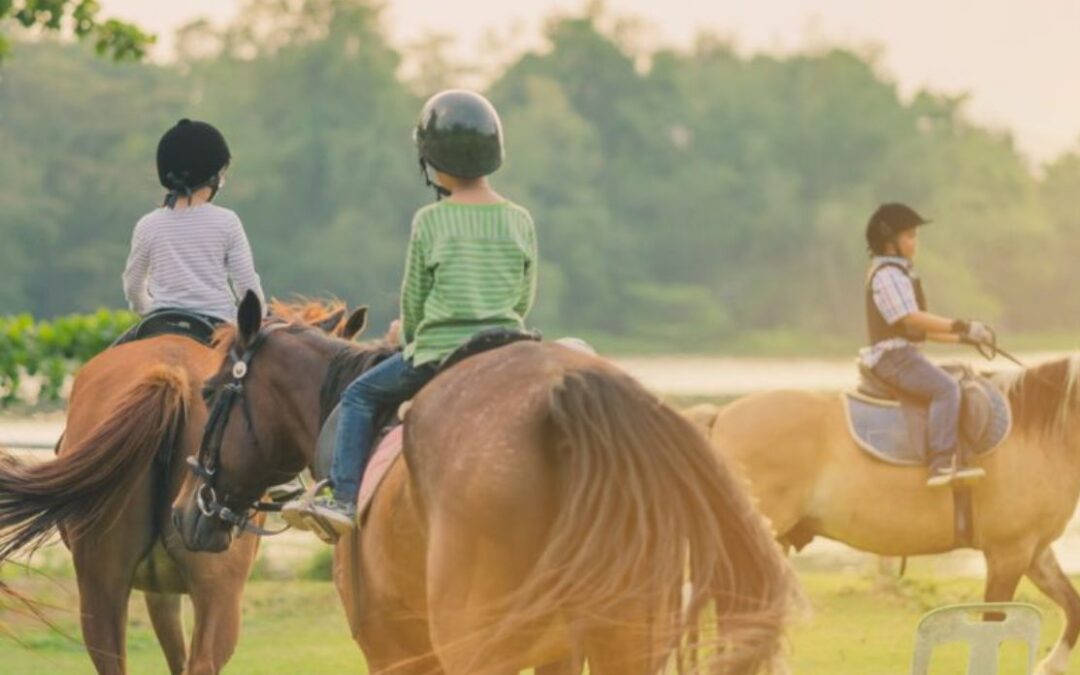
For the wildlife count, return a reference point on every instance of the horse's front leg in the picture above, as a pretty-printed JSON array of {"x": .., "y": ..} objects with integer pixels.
[{"x": 217, "y": 586}]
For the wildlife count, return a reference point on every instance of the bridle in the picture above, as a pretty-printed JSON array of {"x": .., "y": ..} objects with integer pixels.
[{"x": 206, "y": 463}]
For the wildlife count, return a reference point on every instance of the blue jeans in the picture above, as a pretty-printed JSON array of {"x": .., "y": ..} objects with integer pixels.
[
  {"x": 390, "y": 383},
  {"x": 912, "y": 373}
]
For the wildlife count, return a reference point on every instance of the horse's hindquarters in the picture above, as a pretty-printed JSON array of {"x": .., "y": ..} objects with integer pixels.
[
  {"x": 556, "y": 487},
  {"x": 810, "y": 478}
]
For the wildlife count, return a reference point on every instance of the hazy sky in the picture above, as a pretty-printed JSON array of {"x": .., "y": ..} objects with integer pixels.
[{"x": 1019, "y": 59}]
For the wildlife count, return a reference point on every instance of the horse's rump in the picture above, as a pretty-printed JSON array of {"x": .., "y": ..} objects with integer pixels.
[
  {"x": 91, "y": 478},
  {"x": 641, "y": 505}
]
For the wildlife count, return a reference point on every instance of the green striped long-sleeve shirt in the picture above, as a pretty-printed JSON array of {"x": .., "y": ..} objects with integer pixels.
[{"x": 469, "y": 267}]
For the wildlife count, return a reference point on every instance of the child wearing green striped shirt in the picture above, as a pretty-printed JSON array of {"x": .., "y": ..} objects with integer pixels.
[{"x": 471, "y": 265}]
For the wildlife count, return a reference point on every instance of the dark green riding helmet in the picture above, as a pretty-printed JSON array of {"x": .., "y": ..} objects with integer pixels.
[{"x": 459, "y": 133}]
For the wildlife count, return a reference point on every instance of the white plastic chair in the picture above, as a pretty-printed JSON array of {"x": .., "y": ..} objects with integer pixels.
[{"x": 965, "y": 623}]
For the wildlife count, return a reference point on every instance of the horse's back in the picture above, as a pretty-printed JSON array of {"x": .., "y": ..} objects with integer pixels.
[
  {"x": 764, "y": 416},
  {"x": 781, "y": 442},
  {"x": 475, "y": 434},
  {"x": 112, "y": 372}
]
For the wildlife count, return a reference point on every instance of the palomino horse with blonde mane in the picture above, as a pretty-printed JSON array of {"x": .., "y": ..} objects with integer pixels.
[
  {"x": 547, "y": 509},
  {"x": 133, "y": 417},
  {"x": 811, "y": 480}
]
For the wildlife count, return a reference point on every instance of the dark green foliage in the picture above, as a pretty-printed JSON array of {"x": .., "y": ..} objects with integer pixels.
[
  {"x": 119, "y": 40},
  {"x": 54, "y": 349},
  {"x": 320, "y": 567}
]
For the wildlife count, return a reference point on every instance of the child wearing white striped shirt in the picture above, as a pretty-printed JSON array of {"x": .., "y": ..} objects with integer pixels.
[{"x": 190, "y": 254}]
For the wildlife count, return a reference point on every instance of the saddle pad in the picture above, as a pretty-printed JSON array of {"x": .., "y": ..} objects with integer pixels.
[
  {"x": 388, "y": 449},
  {"x": 386, "y": 455},
  {"x": 896, "y": 433}
]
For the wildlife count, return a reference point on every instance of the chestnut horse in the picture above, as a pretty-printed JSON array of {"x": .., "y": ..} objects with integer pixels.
[
  {"x": 548, "y": 509},
  {"x": 133, "y": 417},
  {"x": 811, "y": 479}
]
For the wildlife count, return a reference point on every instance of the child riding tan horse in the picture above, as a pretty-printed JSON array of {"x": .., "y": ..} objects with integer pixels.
[
  {"x": 897, "y": 321},
  {"x": 811, "y": 479}
]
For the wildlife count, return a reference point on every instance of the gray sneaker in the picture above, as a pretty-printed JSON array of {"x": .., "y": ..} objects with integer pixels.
[{"x": 331, "y": 516}]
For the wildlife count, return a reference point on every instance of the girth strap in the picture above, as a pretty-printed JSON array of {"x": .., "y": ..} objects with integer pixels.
[{"x": 963, "y": 516}]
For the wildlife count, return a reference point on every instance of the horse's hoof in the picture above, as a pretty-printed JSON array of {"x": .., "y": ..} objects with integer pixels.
[
  {"x": 1049, "y": 668},
  {"x": 1057, "y": 663}
]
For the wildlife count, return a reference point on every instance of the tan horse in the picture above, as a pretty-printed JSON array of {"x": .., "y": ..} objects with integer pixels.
[
  {"x": 811, "y": 480},
  {"x": 548, "y": 509},
  {"x": 134, "y": 415}
]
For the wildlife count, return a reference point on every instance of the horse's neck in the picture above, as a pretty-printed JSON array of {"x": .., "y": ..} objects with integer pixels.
[
  {"x": 308, "y": 402},
  {"x": 1066, "y": 448},
  {"x": 342, "y": 363},
  {"x": 1054, "y": 459}
]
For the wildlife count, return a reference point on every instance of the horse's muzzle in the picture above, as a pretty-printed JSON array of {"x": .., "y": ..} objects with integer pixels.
[{"x": 199, "y": 532}]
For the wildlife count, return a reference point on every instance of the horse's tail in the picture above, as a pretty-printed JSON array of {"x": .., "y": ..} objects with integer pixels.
[
  {"x": 93, "y": 480},
  {"x": 650, "y": 521}
]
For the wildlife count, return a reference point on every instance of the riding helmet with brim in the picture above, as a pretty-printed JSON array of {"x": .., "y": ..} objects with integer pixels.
[
  {"x": 888, "y": 221},
  {"x": 190, "y": 156}
]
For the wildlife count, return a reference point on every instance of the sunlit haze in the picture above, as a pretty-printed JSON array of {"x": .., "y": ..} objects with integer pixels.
[{"x": 1017, "y": 60}]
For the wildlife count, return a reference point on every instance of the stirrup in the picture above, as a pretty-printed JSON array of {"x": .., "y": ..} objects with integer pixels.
[
  {"x": 294, "y": 512},
  {"x": 968, "y": 474}
]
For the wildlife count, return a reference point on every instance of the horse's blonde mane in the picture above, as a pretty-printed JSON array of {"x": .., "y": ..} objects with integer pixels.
[
  {"x": 305, "y": 310},
  {"x": 299, "y": 311},
  {"x": 1042, "y": 396}
]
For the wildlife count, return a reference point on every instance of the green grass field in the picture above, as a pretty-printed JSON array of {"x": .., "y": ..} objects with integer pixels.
[{"x": 859, "y": 625}]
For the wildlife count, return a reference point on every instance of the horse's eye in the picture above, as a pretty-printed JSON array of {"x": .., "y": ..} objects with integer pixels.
[{"x": 208, "y": 395}]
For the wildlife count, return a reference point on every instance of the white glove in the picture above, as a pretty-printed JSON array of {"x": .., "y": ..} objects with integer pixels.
[{"x": 979, "y": 333}]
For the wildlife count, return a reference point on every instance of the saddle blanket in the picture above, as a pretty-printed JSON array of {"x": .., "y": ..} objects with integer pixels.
[
  {"x": 896, "y": 431},
  {"x": 387, "y": 450},
  {"x": 386, "y": 454}
]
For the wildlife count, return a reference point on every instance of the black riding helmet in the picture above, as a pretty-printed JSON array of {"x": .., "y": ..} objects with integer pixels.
[
  {"x": 190, "y": 156},
  {"x": 459, "y": 133},
  {"x": 888, "y": 221}
]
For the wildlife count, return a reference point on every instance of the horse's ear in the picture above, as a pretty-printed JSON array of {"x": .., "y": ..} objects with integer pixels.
[
  {"x": 702, "y": 416},
  {"x": 356, "y": 324},
  {"x": 249, "y": 318},
  {"x": 330, "y": 323}
]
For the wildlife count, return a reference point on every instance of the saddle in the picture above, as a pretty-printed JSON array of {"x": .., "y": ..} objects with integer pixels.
[
  {"x": 892, "y": 427},
  {"x": 198, "y": 327},
  {"x": 389, "y": 446},
  {"x": 485, "y": 341}
]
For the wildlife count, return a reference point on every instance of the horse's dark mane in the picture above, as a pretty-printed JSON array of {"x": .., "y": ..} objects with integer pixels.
[
  {"x": 345, "y": 366},
  {"x": 1042, "y": 396}
]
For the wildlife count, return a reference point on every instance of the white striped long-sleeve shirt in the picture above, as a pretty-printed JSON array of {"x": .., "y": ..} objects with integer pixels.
[{"x": 196, "y": 258}]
